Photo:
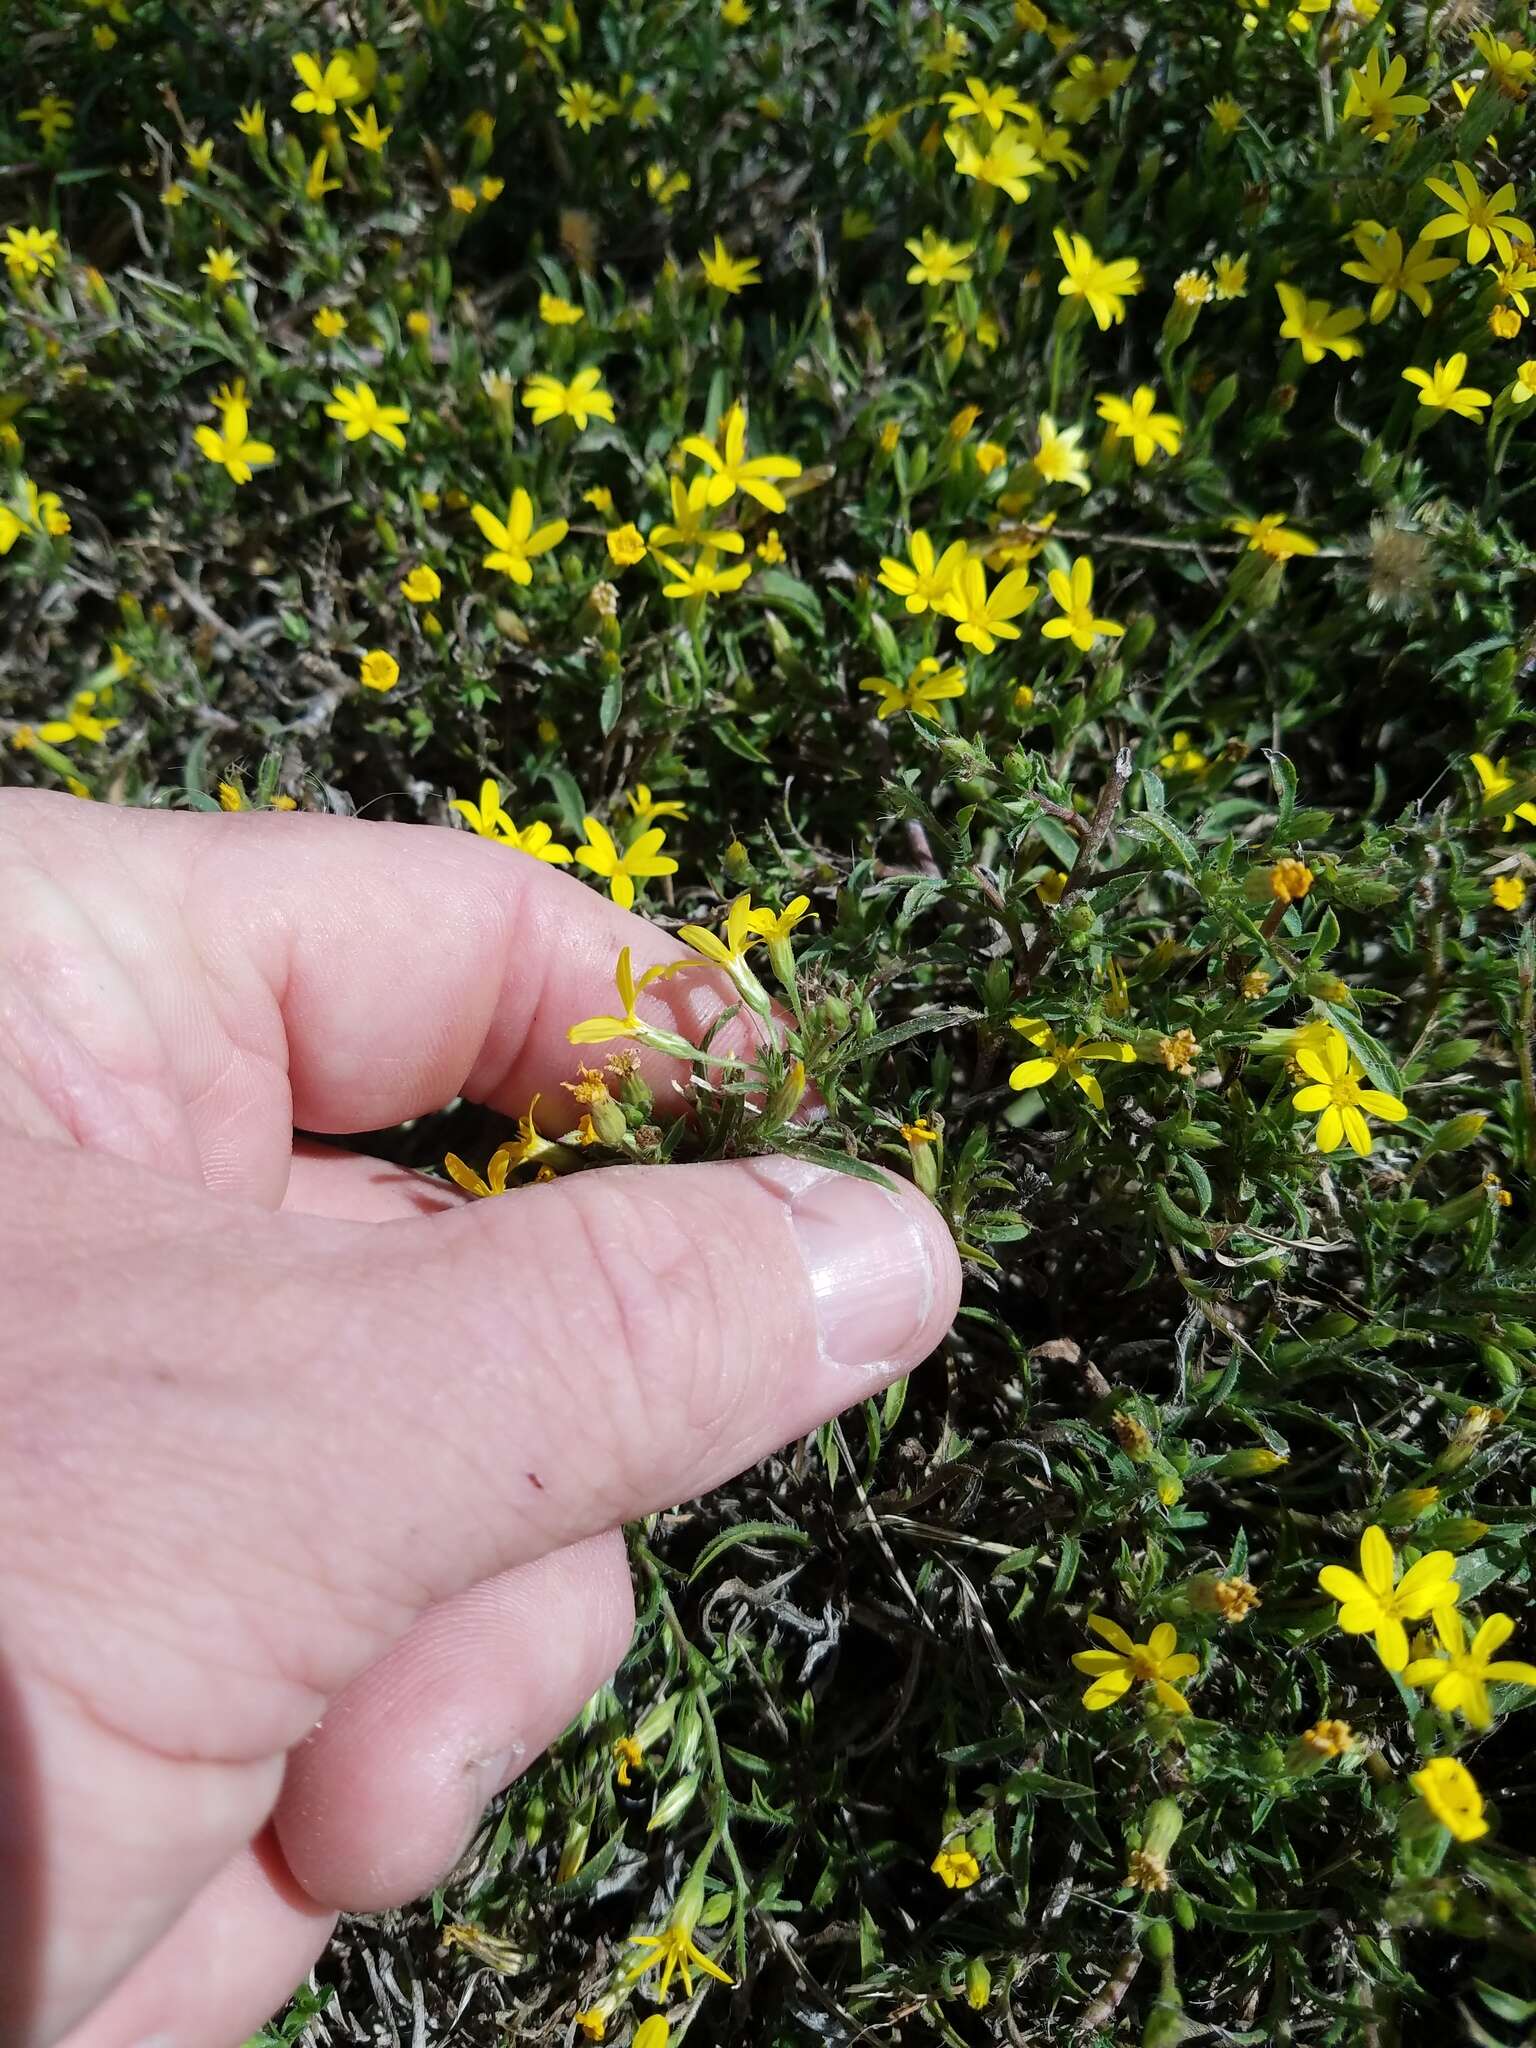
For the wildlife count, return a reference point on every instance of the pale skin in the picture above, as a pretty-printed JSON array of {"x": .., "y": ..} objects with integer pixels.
[{"x": 312, "y": 1472}]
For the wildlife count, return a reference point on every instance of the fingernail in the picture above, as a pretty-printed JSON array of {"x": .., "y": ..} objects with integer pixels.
[{"x": 869, "y": 1260}]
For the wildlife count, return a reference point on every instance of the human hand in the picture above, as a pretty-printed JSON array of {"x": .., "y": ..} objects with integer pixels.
[{"x": 311, "y": 1473}]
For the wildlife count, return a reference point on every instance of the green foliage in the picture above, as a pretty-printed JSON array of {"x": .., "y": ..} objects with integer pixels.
[{"x": 1195, "y": 1350}]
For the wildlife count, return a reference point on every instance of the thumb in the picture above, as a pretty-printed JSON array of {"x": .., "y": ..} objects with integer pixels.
[
  {"x": 318, "y": 1428},
  {"x": 539, "y": 1367}
]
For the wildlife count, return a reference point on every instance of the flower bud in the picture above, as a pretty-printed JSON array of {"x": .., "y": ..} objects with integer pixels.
[
  {"x": 1407, "y": 1505},
  {"x": 1249, "y": 1464},
  {"x": 675, "y": 1804},
  {"x": 978, "y": 1984}
]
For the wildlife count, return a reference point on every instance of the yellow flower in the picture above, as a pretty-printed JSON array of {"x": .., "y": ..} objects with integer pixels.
[
  {"x": 1373, "y": 1601},
  {"x": 1226, "y": 113},
  {"x": 593, "y": 2023},
  {"x": 927, "y": 685},
  {"x": 1451, "y": 1793},
  {"x": 1441, "y": 389},
  {"x": 1507, "y": 892},
  {"x": 1156, "y": 1662},
  {"x": 1059, "y": 459},
  {"x": 686, "y": 528},
  {"x": 1008, "y": 163},
  {"x": 487, "y": 818},
  {"x": 1483, "y": 220},
  {"x": 939, "y": 262},
  {"x": 1377, "y": 98},
  {"x": 699, "y": 579},
  {"x": 990, "y": 457},
  {"x": 628, "y": 1755},
  {"x": 199, "y": 157},
  {"x": 1055, "y": 1056},
  {"x": 329, "y": 324},
  {"x": 222, "y": 267},
  {"x": 251, "y": 121},
  {"x": 583, "y": 106},
  {"x": 956, "y": 1867},
  {"x": 557, "y": 312},
  {"x": 777, "y": 926},
  {"x": 81, "y": 721},
  {"x": 1327, "y": 1739},
  {"x": 500, "y": 1164},
  {"x": 620, "y": 869},
  {"x": 1319, "y": 327},
  {"x": 626, "y": 545},
  {"x": 361, "y": 414},
  {"x": 598, "y": 1030},
  {"x": 230, "y": 444},
  {"x": 462, "y": 199},
  {"x": 770, "y": 548},
  {"x": 980, "y": 102},
  {"x": 1052, "y": 887},
  {"x": 379, "y": 671},
  {"x": 52, "y": 116},
  {"x": 925, "y": 581},
  {"x": 1384, "y": 263},
  {"x": 29, "y": 252},
  {"x": 366, "y": 132},
  {"x": 422, "y": 585},
  {"x": 1075, "y": 620},
  {"x": 1334, "y": 1095},
  {"x": 674, "y": 1949},
  {"x": 1495, "y": 779},
  {"x": 727, "y": 273},
  {"x": 42, "y": 512},
  {"x": 1504, "y": 323},
  {"x": 316, "y": 184},
  {"x": 1136, "y": 419},
  {"x": 921, "y": 1133},
  {"x": 1460, "y": 1678},
  {"x": 583, "y": 399},
  {"x": 1079, "y": 95},
  {"x": 730, "y": 468},
  {"x": 515, "y": 540},
  {"x": 1183, "y": 757},
  {"x": 536, "y": 840},
  {"x": 1104, "y": 286},
  {"x": 647, "y": 808},
  {"x": 730, "y": 952},
  {"x": 1229, "y": 275},
  {"x": 324, "y": 90},
  {"x": 984, "y": 617},
  {"x": 1269, "y": 535},
  {"x": 735, "y": 12}
]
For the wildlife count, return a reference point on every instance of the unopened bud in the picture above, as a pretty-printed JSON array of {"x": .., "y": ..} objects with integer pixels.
[
  {"x": 675, "y": 1804},
  {"x": 1250, "y": 1464},
  {"x": 978, "y": 1984}
]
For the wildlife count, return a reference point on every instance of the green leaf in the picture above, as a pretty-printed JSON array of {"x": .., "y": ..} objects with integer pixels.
[
  {"x": 748, "y": 1532},
  {"x": 1378, "y": 1065},
  {"x": 775, "y": 587}
]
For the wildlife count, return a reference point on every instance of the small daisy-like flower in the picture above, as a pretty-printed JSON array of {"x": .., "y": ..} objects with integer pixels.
[
  {"x": 1156, "y": 1662},
  {"x": 1452, "y": 1795},
  {"x": 1334, "y": 1095},
  {"x": 1374, "y": 1601}
]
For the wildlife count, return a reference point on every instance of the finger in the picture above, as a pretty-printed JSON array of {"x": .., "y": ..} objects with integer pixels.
[
  {"x": 324, "y": 1180},
  {"x": 223, "y": 1969},
  {"x": 306, "y": 970},
  {"x": 380, "y": 1799}
]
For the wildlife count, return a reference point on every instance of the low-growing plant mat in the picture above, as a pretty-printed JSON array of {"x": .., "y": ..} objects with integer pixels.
[{"x": 1036, "y": 499}]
